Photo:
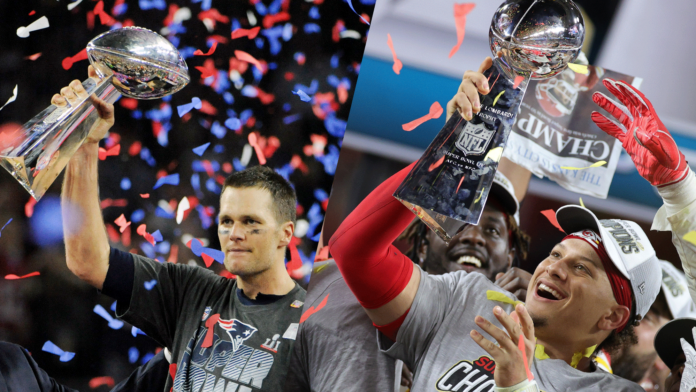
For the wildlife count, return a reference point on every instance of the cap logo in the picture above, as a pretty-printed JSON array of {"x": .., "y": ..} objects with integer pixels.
[
  {"x": 674, "y": 287},
  {"x": 590, "y": 236},
  {"x": 641, "y": 288},
  {"x": 623, "y": 238}
]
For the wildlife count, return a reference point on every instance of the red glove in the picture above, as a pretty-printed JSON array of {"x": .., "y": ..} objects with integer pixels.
[{"x": 645, "y": 138}]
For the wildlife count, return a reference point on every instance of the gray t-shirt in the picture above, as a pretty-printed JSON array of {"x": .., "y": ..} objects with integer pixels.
[
  {"x": 435, "y": 339},
  {"x": 251, "y": 344},
  {"x": 335, "y": 348}
]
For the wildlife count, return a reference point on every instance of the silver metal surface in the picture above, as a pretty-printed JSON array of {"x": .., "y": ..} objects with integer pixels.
[
  {"x": 537, "y": 38},
  {"x": 136, "y": 62},
  {"x": 145, "y": 64}
]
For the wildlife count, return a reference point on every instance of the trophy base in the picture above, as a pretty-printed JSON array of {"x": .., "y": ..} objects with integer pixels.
[
  {"x": 449, "y": 185},
  {"x": 38, "y": 152}
]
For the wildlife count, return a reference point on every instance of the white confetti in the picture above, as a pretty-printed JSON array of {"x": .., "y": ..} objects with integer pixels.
[
  {"x": 12, "y": 98},
  {"x": 41, "y": 23},
  {"x": 73, "y": 5},
  {"x": 181, "y": 209},
  {"x": 350, "y": 34}
]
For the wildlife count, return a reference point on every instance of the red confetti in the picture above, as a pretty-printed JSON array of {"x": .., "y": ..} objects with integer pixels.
[
  {"x": 551, "y": 216},
  {"x": 122, "y": 223},
  {"x": 96, "y": 382},
  {"x": 29, "y": 207},
  {"x": 113, "y": 203},
  {"x": 135, "y": 148},
  {"x": 518, "y": 80},
  {"x": 198, "y": 52},
  {"x": 244, "y": 56},
  {"x": 460, "y": 184},
  {"x": 270, "y": 20},
  {"x": 264, "y": 97},
  {"x": 295, "y": 259},
  {"x": 249, "y": 33},
  {"x": 104, "y": 17},
  {"x": 520, "y": 346},
  {"x": 142, "y": 230},
  {"x": 173, "y": 254},
  {"x": 436, "y": 164},
  {"x": 460, "y": 12},
  {"x": 112, "y": 152},
  {"x": 145, "y": 195},
  {"x": 435, "y": 112},
  {"x": 397, "y": 63},
  {"x": 254, "y": 143},
  {"x": 210, "y": 324},
  {"x": 33, "y": 56},
  {"x": 129, "y": 103},
  {"x": 213, "y": 14},
  {"x": 32, "y": 12},
  {"x": 69, "y": 61},
  {"x": 312, "y": 311},
  {"x": 15, "y": 277}
]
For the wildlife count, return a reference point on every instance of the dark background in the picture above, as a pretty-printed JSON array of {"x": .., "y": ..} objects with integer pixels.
[{"x": 56, "y": 306}]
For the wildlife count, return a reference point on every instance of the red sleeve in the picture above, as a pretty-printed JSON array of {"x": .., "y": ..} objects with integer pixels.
[{"x": 373, "y": 268}]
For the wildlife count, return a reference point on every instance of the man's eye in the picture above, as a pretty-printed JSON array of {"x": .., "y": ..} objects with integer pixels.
[
  {"x": 250, "y": 221},
  {"x": 226, "y": 221},
  {"x": 493, "y": 230}
]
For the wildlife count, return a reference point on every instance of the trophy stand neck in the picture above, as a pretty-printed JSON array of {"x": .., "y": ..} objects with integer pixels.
[{"x": 508, "y": 72}]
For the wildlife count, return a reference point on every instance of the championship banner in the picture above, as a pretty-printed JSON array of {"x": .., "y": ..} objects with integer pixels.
[{"x": 554, "y": 135}]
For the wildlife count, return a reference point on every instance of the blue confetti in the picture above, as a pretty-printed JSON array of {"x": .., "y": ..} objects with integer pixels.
[
  {"x": 113, "y": 323},
  {"x": 135, "y": 331},
  {"x": 50, "y": 347},
  {"x": 113, "y": 306},
  {"x": 291, "y": 119},
  {"x": 334, "y": 61},
  {"x": 273, "y": 36},
  {"x": 320, "y": 195},
  {"x": 205, "y": 4},
  {"x": 157, "y": 236},
  {"x": 147, "y": 357},
  {"x": 350, "y": 3},
  {"x": 125, "y": 183},
  {"x": 150, "y": 284},
  {"x": 219, "y": 149},
  {"x": 150, "y": 4},
  {"x": 195, "y": 103},
  {"x": 3, "y": 227},
  {"x": 237, "y": 164},
  {"x": 218, "y": 130},
  {"x": 212, "y": 186},
  {"x": 303, "y": 96},
  {"x": 172, "y": 179},
  {"x": 314, "y": 13},
  {"x": 234, "y": 123},
  {"x": 137, "y": 216},
  {"x": 336, "y": 127},
  {"x": 163, "y": 247},
  {"x": 148, "y": 249},
  {"x": 312, "y": 28},
  {"x": 228, "y": 97},
  {"x": 162, "y": 213},
  {"x": 133, "y": 355},
  {"x": 201, "y": 149}
]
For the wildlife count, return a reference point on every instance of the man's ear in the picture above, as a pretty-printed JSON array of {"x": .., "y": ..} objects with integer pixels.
[
  {"x": 615, "y": 317},
  {"x": 287, "y": 229}
]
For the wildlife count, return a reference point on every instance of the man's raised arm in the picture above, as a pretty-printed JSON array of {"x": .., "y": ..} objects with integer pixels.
[{"x": 86, "y": 244}]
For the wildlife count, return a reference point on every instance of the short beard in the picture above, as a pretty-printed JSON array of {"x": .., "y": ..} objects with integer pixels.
[
  {"x": 539, "y": 322},
  {"x": 632, "y": 366}
]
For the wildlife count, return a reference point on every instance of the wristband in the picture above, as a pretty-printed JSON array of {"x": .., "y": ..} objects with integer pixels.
[{"x": 524, "y": 386}]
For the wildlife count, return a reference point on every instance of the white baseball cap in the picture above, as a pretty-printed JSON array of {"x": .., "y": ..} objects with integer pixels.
[
  {"x": 504, "y": 192},
  {"x": 628, "y": 248},
  {"x": 668, "y": 339},
  {"x": 675, "y": 288}
]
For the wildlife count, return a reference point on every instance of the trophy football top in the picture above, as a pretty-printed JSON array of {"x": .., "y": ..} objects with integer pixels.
[
  {"x": 538, "y": 38},
  {"x": 145, "y": 64}
]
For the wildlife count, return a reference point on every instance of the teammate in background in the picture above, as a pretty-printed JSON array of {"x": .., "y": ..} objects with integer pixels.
[
  {"x": 222, "y": 334},
  {"x": 675, "y": 345},
  {"x": 640, "y": 363}
]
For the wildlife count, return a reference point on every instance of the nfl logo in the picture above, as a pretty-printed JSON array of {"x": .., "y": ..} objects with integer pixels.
[
  {"x": 206, "y": 313},
  {"x": 474, "y": 139}
]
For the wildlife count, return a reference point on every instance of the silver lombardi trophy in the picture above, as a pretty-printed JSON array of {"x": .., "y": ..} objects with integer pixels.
[
  {"x": 449, "y": 184},
  {"x": 132, "y": 61}
]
